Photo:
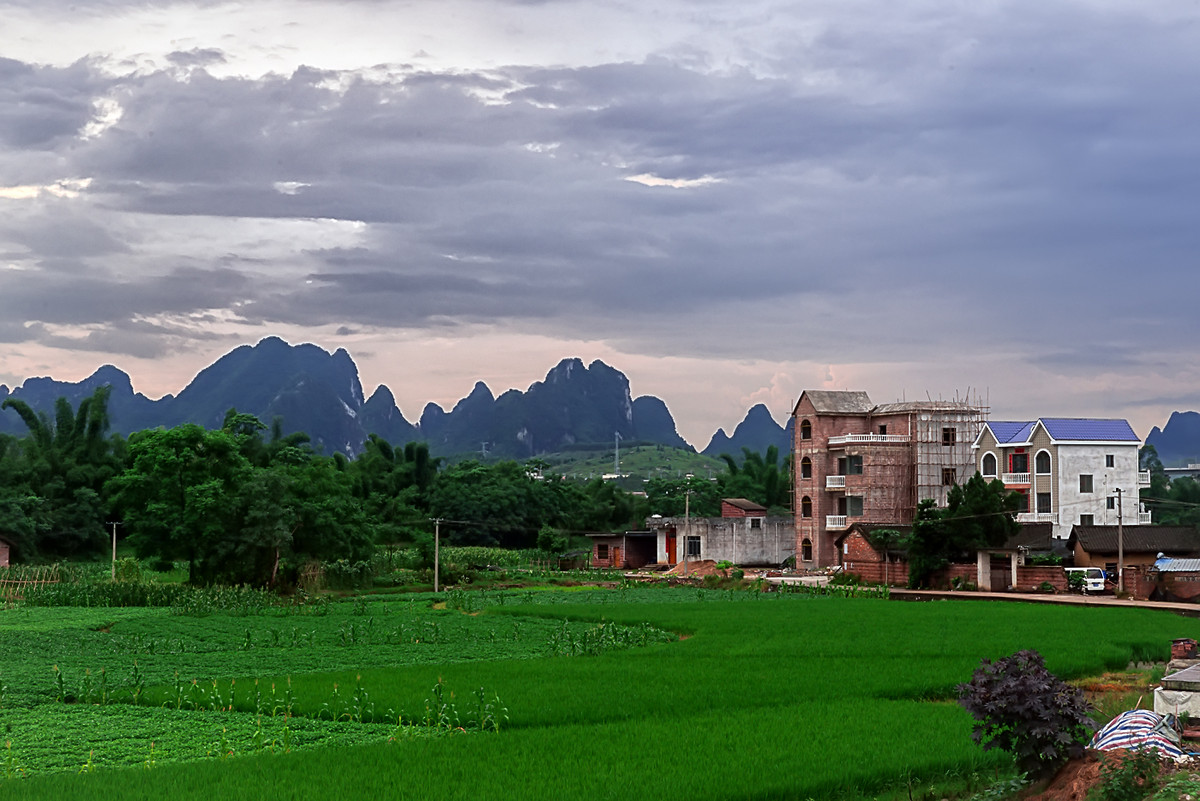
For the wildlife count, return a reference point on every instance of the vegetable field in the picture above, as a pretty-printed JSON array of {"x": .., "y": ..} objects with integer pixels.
[{"x": 625, "y": 693}]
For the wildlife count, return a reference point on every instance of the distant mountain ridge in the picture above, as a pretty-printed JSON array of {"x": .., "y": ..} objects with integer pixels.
[
  {"x": 319, "y": 393},
  {"x": 758, "y": 431},
  {"x": 1178, "y": 442}
]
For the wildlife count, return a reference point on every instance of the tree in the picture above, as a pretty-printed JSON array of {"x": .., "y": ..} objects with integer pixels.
[
  {"x": 64, "y": 464},
  {"x": 978, "y": 514},
  {"x": 670, "y": 497},
  {"x": 179, "y": 496},
  {"x": 759, "y": 478}
]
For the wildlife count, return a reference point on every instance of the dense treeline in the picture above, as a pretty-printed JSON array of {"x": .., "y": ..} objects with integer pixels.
[{"x": 244, "y": 504}]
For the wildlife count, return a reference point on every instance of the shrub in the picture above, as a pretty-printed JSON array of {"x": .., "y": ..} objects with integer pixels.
[
  {"x": 1024, "y": 709},
  {"x": 845, "y": 580},
  {"x": 1129, "y": 775}
]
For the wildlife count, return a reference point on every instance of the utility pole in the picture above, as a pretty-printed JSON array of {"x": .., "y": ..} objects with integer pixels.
[
  {"x": 114, "y": 525},
  {"x": 1120, "y": 547},
  {"x": 687, "y": 526},
  {"x": 437, "y": 527}
]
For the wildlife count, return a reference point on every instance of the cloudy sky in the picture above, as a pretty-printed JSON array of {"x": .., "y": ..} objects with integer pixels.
[{"x": 728, "y": 201}]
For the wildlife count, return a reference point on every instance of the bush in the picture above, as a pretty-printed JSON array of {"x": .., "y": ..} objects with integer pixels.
[
  {"x": 1026, "y": 710},
  {"x": 1130, "y": 775}
]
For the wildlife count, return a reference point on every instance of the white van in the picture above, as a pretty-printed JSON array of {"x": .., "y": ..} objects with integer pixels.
[{"x": 1093, "y": 577}]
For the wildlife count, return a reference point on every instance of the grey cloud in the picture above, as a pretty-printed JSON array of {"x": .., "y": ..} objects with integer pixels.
[{"x": 197, "y": 57}]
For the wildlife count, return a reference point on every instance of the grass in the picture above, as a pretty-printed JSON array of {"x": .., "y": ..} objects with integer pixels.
[{"x": 765, "y": 696}]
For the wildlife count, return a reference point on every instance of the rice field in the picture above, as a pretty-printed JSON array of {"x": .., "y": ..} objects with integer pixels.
[{"x": 625, "y": 693}]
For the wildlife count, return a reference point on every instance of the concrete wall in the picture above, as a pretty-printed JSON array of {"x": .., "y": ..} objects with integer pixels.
[{"x": 741, "y": 540}]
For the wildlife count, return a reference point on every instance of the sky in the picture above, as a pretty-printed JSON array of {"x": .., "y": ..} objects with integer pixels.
[{"x": 730, "y": 202}]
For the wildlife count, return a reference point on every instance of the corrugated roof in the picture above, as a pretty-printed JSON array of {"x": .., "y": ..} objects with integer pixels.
[
  {"x": 827, "y": 401},
  {"x": 1089, "y": 429},
  {"x": 1006, "y": 431},
  {"x": 1178, "y": 565},
  {"x": 1140, "y": 539},
  {"x": 1034, "y": 536},
  {"x": 924, "y": 406}
]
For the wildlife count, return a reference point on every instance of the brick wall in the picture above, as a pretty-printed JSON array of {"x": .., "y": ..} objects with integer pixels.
[{"x": 1029, "y": 579}]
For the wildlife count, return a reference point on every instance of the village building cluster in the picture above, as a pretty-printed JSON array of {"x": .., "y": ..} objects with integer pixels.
[{"x": 860, "y": 468}]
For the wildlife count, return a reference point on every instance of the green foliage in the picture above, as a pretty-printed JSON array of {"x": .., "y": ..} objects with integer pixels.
[
  {"x": 759, "y": 478},
  {"x": 978, "y": 514},
  {"x": 1128, "y": 776},
  {"x": 697, "y": 496},
  {"x": 1022, "y": 708}
]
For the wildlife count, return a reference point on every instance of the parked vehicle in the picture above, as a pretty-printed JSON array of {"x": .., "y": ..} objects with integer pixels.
[{"x": 1093, "y": 577}]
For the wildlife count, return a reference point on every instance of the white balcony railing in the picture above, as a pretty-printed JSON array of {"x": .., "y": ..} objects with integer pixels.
[
  {"x": 1143, "y": 478},
  {"x": 835, "y": 522},
  {"x": 1015, "y": 478},
  {"x": 868, "y": 439},
  {"x": 1144, "y": 518},
  {"x": 1037, "y": 517},
  {"x": 835, "y": 482}
]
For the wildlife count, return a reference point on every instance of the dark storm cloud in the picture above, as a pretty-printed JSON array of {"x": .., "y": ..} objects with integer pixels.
[{"x": 871, "y": 192}]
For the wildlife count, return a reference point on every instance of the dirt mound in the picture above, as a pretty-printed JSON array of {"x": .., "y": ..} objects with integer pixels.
[
  {"x": 702, "y": 567},
  {"x": 1072, "y": 782}
]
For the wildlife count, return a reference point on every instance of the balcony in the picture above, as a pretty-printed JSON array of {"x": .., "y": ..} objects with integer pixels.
[
  {"x": 1037, "y": 517},
  {"x": 1144, "y": 518},
  {"x": 869, "y": 439},
  {"x": 835, "y": 482},
  {"x": 1143, "y": 478},
  {"x": 836, "y": 522},
  {"x": 1014, "y": 478}
]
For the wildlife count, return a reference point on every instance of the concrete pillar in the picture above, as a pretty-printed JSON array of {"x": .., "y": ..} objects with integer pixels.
[{"x": 983, "y": 571}]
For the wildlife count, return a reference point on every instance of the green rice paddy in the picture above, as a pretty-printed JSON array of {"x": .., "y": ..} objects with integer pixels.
[{"x": 616, "y": 694}]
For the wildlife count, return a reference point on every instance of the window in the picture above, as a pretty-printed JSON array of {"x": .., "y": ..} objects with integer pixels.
[
  {"x": 1111, "y": 501},
  {"x": 854, "y": 506},
  {"x": 949, "y": 479},
  {"x": 693, "y": 545},
  {"x": 806, "y": 506},
  {"x": 1109, "y": 460},
  {"x": 1087, "y": 520},
  {"x": 806, "y": 468},
  {"x": 1018, "y": 463},
  {"x": 1042, "y": 463},
  {"x": 989, "y": 465},
  {"x": 602, "y": 551},
  {"x": 1085, "y": 482},
  {"x": 806, "y": 550},
  {"x": 949, "y": 435},
  {"x": 1043, "y": 503},
  {"x": 850, "y": 466},
  {"x": 756, "y": 522},
  {"x": 883, "y": 429},
  {"x": 805, "y": 429}
]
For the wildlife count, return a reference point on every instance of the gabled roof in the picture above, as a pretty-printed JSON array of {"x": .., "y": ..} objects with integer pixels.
[
  {"x": 1033, "y": 537},
  {"x": 1008, "y": 432},
  {"x": 744, "y": 504},
  {"x": 827, "y": 401},
  {"x": 1176, "y": 540},
  {"x": 1066, "y": 429}
]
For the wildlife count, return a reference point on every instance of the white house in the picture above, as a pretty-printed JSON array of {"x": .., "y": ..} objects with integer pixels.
[{"x": 1072, "y": 471}]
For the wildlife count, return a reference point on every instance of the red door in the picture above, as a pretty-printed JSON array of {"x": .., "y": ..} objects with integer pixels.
[{"x": 671, "y": 549}]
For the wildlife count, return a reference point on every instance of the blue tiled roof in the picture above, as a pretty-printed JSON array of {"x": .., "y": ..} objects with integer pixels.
[
  {"x": 1064, "y": 428},
  {"x": 1010, "y": 430}
]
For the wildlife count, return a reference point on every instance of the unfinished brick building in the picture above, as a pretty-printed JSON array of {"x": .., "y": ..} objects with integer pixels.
[{"x": 858, "y": 462}]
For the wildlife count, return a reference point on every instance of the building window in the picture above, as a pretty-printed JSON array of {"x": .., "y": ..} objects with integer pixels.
[
  {"x": 601, "y": 551},
  {"x": 805, "y": 429},
  {"x": 806, "y": 506},
  {"x": 1043, "y": 503},
  {"x": 883, "y": 429},
  {"x": 949, "y": 479},
  {"x": 1042, "y": 463},
  {"x": 1085, "y": 482},
  {"x": 806, "y": 550},
  {"x": 1087, "y": 520},
  {"x": 1111, "y": 501},
  {"x": 1018, "y": 463},
  {"x": 756, "y": 522},
  {"x": 850, "y": 466},
  {"x": 806, "y": 468},
  {"x": 693, "y": 545},
  {"x": 1109, "y": 460},
  {"x": 854, "y": 506},
  {"x": 989, "y": 465},
  {"x": 949, "y": 435}
]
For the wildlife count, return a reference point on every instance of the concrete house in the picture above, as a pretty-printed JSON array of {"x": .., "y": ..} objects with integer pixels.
[
  {"x": 859, "y": 462},
  {"x": 744, "y": 534},
  {"x": 1072, "y": 471}
]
